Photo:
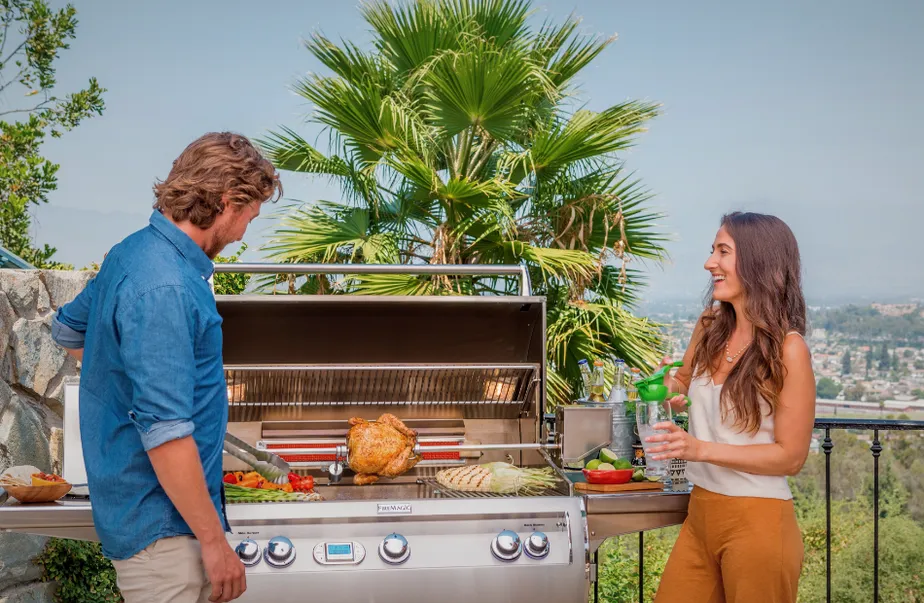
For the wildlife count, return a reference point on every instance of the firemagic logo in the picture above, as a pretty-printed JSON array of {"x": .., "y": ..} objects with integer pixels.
[{"x": 395, "y": 509}]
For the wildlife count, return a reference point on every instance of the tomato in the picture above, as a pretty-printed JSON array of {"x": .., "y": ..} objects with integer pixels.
[{"x": 301, "y": 483}]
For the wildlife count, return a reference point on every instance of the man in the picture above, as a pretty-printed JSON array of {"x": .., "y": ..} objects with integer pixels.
[{"x": 153, "y": 398}]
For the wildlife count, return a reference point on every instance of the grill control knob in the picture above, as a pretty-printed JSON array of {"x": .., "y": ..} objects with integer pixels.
[
  {"x": 279, "y": 552},
  {"x": 506, "y": 545},
  {"x": 248, "y": 551},
  {"x": 394, "y": 549},
  {"x": 537, "y": 545}
]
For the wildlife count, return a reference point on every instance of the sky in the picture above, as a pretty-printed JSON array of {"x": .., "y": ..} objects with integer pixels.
[{"x": 806, "y": 110}]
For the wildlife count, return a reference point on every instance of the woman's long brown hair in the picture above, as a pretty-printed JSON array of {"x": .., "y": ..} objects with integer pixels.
[{"x": 769, "y": 268}]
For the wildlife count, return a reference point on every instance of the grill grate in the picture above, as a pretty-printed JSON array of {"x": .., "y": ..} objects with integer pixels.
[{"x": 438, "y": 491}]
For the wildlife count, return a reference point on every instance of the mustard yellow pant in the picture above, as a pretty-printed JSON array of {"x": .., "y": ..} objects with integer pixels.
[{"x": 734, "y": 550}]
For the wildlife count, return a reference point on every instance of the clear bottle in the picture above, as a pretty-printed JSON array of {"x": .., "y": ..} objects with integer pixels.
[
  {"x": 618, "y": 391},
  {"x": 597, "y": 387},
  {"x": 585, "y": 379},
  {"x": 632, "y": 389}
]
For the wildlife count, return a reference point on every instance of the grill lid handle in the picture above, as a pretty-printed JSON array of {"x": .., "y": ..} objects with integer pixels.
[{"x": 411, "y": 269}]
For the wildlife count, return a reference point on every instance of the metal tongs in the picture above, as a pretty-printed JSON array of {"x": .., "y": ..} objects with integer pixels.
[{"x": 267, "y": 464}]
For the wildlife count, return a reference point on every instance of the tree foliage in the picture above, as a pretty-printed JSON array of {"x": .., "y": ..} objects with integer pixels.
[
  {"x": 457, "y": 139},
  {"x": 32, "y": 37},
  {"x": 230, "y": 283},
  {"x": 827, "y": 388}
]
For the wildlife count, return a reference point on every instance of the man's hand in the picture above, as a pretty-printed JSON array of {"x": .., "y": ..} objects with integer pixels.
[
  {"x": 179, "y": 471},
  {"x": 78, "y": 354},
  {"x": 225, "y": 571}
]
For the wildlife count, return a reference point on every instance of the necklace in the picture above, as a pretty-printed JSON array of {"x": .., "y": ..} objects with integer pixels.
[{"x": 728, "y": 355}]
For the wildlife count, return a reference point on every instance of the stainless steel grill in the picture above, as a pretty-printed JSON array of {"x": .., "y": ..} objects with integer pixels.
[{"x": 468, "y": 375}]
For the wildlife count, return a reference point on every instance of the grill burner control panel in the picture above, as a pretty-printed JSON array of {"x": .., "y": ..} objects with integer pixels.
[
  {"x": 393, "y": 550},
  {"x": 339, "y": 553}
]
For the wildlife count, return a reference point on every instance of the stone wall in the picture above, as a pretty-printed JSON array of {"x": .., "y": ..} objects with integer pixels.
[{"x": 32, "y": 372}]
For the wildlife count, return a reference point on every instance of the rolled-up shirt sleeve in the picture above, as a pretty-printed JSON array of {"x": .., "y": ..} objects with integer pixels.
[
  {"x": 69, "y": 324},
  {"x": 158, "y": 333}
]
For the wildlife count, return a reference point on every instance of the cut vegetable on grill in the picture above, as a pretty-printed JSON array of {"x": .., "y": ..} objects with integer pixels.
[
  {"x": 253, "y": 480},
  {"x": 500, "y": 478},
  {"x": 236, "y": 494}
]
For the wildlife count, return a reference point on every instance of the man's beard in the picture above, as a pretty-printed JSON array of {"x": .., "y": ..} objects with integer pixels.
[{"x": 218, "y": 242}]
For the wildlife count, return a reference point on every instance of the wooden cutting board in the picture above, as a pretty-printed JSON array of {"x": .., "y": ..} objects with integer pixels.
[{"x": 629, "y": 487}]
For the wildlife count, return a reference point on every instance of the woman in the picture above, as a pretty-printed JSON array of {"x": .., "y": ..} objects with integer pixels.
[{"x": 748, "y": 374}]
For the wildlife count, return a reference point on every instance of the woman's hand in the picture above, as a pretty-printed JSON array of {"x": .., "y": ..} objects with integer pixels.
[
  {"x": 677, "y": 444},
  {"x": 678, "y": 403},
  {"x": 668, "y": 380}
]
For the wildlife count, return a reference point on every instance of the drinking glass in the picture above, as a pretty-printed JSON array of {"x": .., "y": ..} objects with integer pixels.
[{"x": 647, "y": 415}]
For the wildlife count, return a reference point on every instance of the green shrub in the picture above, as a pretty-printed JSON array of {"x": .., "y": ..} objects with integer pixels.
[
  {"x": 230, "y": 283},
  {"x": 618, "y": 564},
  {"x": 82, "y": 573}
]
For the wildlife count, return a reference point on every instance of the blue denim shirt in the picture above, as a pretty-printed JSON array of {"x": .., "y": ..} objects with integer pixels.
[{"x": 152, "y": 372}]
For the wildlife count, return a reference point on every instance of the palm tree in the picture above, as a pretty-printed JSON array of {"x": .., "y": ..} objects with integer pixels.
[{"x": 457, "y": 139}]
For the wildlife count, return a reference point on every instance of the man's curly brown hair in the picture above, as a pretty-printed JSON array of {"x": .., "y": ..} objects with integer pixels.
[{"x": 215, "y": 166}]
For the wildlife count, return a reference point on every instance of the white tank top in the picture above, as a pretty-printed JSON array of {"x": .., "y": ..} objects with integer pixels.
[{"x": 706, "y": 424}]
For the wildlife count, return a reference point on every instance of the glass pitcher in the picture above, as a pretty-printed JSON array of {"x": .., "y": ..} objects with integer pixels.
[{"x": 647, "y": 415}]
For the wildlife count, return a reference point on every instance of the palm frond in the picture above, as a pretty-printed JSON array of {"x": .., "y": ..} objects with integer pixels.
[
  {"x": 289, "y": 151},
  {"x": 553, "y": 263},
  {"x": 564, "y": 62},
  {"x": 409, "y": 35},
  {"x": 475, "y": 193},
  {"x": 417, "y": 171},
  {"x": 484, "y": 87},
  {"x": 393, "y": 284},
  {"x": 610, "y": 286},
  {"x": 604, "y": 330},
  {"x": 351, "y": 63},
  {"x": 643, "y": 237},
  {"x": 328, "y": 231},
  {"x": 588, "y": 135},
  {"x": 370, "y": 122},
  {"x": 500, "y": 21}
]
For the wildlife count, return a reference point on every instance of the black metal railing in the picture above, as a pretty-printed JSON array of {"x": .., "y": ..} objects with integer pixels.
[{"x": 874, "y": 425}]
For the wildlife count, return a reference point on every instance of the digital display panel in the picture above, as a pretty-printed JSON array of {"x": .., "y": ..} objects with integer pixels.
[{"x": 339, "y": 550}]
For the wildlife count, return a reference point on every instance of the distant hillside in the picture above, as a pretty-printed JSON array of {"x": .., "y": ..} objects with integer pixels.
[{"x": 903, "y": 325}]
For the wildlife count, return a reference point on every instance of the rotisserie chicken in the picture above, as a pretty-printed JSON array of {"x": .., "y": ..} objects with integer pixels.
[{"x": 384, "y": 448}]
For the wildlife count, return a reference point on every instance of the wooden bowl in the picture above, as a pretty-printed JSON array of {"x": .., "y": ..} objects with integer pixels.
[{"x": 38, "y": 494}]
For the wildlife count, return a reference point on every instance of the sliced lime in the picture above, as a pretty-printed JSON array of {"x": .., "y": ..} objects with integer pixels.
[{"x": 608, "y": 456}]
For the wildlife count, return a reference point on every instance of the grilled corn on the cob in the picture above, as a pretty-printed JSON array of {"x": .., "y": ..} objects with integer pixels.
[{"x": 502, "y": 478}]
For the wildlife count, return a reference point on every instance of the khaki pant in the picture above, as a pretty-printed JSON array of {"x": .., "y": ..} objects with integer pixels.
[
  {"x": 168, "y": 571},
  {"x": 734, "y": 550}
]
